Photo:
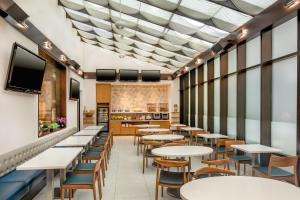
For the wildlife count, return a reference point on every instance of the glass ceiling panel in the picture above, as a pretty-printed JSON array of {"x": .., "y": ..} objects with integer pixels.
[
  {"x": 169, "y": 46},
  {"x": 89, "y": 41},
  {"x": 100, "y": 23},
  {"x": 127, "y": 19},
  {"x": 142, "y": 58},
  {"x": 176, "y": 38},
  {"x": 97, "y": 10},
  {"x": 189, "y": 52},
  {"x": 176, "y": 63},
  {"x": 155, "y": 14},
  {"x": 141, "y": 52},
  {"x": 111, "y": 48},
  {"x": 147, "y": 38},
  {"x": 79, "y": 16},
  {"x": 123, "y": 52},
  {"x": 100, "y": 2},
  {"x": 86, "y": 35},
  {"x": 124, "y": 40},
  {"x": 183, "y": 59},
  {"x": 199, "y": 9},
  {"x": 160, "y": 58},
  {"x": 165, "y": 4},
  {"x": 163, "y": 52},
  {"x": 105, "y": 40},
  {"x": 103, "y": 33},
  {"x": 185, "y": 25},
  {"x": 151, "y": 28},
  {"x": 125, "y": 31},
  {"x": 144, "y": 46},
  {"x": 253, "y": 7},
  {"x": 126, "y": 6},
  {"x": 123, "y": 46},
  {"x": 73, "y": 4},
  {"x": 156, "y": 62},
  {"x": 82, "y": 26}
]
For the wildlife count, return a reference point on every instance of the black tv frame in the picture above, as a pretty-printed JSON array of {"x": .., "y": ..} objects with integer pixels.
[
  {"x": 135, "y": 70},
  {"x": 148, "y": 80},
  {"x": 70, "y": 90},
  {"x": 107, "y": 80},
  {"x": 9, "y": 73}
]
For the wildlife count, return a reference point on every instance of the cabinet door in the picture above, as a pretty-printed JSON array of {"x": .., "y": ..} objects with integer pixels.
[{"x": 103, "y": 93}]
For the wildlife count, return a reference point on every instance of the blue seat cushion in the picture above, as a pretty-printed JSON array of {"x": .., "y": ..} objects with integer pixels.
[
  {"x": 275, "y": 171},
  {"x": 97, "y": 149},
  {"x": 85, "y": 167},
  {"x": 13, "y": 190},
  {"x": 221, "y": 149},
  {"x": 79, "y": 179},
  {"x": 91, "y": 154},
  {"x": 100, "y": 142},
  {"x": 26, "y": 176},
  {"x": 171, "y": 178},
  {"x": 240, "y": 157}
]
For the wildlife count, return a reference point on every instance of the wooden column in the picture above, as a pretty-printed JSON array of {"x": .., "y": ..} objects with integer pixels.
[
  {"x": 210, "y": 95},
  {"x": 192, "y": 97},
  {"x": 200, "y": 95},
  {"x": 241, "y": 90},
  {"x": 224, "y": 93},
  {"x": 266, "y": 91}
]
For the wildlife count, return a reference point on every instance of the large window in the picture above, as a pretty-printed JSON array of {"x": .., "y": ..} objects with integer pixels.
[{"x": 52, "y": 100}]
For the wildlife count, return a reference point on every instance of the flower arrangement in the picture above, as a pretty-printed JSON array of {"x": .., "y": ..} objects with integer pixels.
[{"x": 61, "y": 121}]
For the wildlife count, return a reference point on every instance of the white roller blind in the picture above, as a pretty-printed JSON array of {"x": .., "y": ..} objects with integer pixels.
[
  {"x": 217, "y": 106},
  {"x": 205, "y": 106},
  {"x": 253, "y": 52},
  {"x": 232, "y": 95},
  {"x": 232, "y": 61}
]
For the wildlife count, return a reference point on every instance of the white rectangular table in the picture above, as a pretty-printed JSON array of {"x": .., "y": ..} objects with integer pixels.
[
  {"x": 93, "y": 128},
  {"x": 75, "y": 141},
  {"x": 255, "y": 150},
  {"x": 213, "y": 137},
  {"x": 87, "y": 133},
  {"x": 51, "y": 159}
]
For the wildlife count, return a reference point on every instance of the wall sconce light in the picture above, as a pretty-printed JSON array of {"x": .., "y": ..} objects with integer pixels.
[
  {"x": 62, "y": 58},
  {"x": 290, "y": 3},
  {"x": 80, "y": 72},
  {"x": 243, "y": 33},
  {"x": 198, "y": 61},
  {"x": 47, "y": 45}
]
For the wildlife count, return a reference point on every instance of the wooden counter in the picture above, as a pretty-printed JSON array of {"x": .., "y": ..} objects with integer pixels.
[{"x": 117, "y": 127}]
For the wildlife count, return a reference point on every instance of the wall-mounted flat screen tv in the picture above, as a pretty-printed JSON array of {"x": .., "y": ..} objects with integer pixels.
[
  {"x": 106, "y": 74},
  {"x": 129, "y": 75},
  {"x": 26, "y": 71},
  {"x": 74, "y": 89},
  {"x": 151, "y": 75}
]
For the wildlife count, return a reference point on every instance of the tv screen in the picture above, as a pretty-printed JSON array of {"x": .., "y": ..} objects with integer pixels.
[
  {"x": 128, "y": 75},
  {"x": 150, "y": 75},
  {"x": 74, "y": 89},
  {"x": 106, "y": 74},
  {"x": 26, "y": 71}
]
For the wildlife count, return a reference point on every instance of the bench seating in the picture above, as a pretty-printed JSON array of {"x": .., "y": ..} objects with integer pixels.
[{"x": 17, "y": 184}]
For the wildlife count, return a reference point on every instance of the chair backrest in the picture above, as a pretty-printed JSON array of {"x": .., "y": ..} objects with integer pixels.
[
  {"x": 182, "y": 142},
  {"x": 212, "y": 170},
  {"x": 96, "y": 172},
  {"x": 216, "y": 163},
  {"x": 228, "y": 144},
  {"x": 200, "y": 132},
  {"x": 283, "y": 161},
  {"x": 151, "y": 143},
  {"x": 176, "y": 143}
]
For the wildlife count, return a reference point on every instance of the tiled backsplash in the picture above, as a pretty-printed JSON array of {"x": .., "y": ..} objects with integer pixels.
[{"x": 136, "y": 97}]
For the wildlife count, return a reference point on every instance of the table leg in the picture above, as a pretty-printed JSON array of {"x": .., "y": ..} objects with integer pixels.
[{"x": 50, "y": 183}]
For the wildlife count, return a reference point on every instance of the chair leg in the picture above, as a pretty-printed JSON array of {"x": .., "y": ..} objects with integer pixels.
[
  {"x": 62, "y": 192},
  {"x": 238, "y": 168},
  {"x": 103, "y": 172},
  {"x": 156, "y": 192},
  {"x": 244, "y": 169},
  {"x": 94, "y": 193},
  {"x": 99, "y": 188},
  {"x": 143, "y": 164},
  {"x": 70, "y": 194},
  {"x": 162, "y": 191}
]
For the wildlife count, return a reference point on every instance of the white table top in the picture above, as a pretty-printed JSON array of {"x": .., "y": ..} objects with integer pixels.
[
  {"x": 255, "y": 148},
  {"x": 87, "y": 133},
  {"x": 182, "y": 151},
  {"x": 163, "y": 137},
  {"x": 75, "y": 141},
  {"x": 239, "y": 187},
  {"x": 153, "y": 130},
  {"x": 52, "y": 158},
  {"x": 146, "y": 126},
  {"x": 93, "y": 128},
  {"x": 178, "y": 125},
  {"x": 191, "y": 129},
  {"x": 212, "y": 136}
]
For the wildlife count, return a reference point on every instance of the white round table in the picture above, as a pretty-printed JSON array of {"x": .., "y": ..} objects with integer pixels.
[
  {"x": 239, "y": 187},
  {"x": 182, "y": 151},
  {"x": 163, "y": 137}
]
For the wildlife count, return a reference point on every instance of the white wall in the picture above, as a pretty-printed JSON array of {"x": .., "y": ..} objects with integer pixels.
[{"x": 18, "y": 112}]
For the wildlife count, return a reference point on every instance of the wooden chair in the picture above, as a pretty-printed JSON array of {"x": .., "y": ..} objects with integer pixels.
[
  {"x": 82, "y": 181},
  {"x": 148, "y": 146},
  {"x": 236, "y": 158},
  {"x": 176, "y": 143},
  {"x": 274, "y": 170},
  {"x": 197, "y": 140},
  {"x": 212, "y": 171},
  {"x": 170, "y": 179},
  {"x": 219, "y": 149}
]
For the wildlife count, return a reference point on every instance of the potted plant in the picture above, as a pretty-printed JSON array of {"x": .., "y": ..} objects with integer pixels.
[
  {"x": 61, "y": 121},
  {"x": 53, "y": 126}
]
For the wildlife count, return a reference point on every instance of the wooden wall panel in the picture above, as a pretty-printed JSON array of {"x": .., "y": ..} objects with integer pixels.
[
  {"x": 224, "y": 93},
  {"x": 210, "y": 96},
  {"x": 200, "y": 95},
  {"x": 241, "y": 90}
]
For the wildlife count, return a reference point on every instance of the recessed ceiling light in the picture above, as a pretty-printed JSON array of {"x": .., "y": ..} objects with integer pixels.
[
  {"x": 186, "y": 68},
  {"x": 47, "y": 45},
  {"x": 62, "y": 58},
  {"x": 243, "y": 33},
  {"x": 198, "y": 61},
  {"x": 80, "y": 72}
]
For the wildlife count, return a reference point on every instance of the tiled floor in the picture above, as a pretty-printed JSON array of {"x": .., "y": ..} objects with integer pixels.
[{"x": 125, "y": 180}]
